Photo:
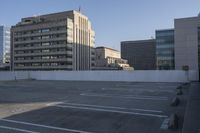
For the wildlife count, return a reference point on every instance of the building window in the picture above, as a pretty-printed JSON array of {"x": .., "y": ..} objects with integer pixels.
[
  {"x": 35, "y": 64},
  {"x": 36, "y": 44},
  {"x": 36, "y": 51},
  {"x": 53, "y": 57},
  {"x": 37, "y": 38},
  {"x": 45, "y": 30},
  {"x": 45, "y": 64},
  {"x": 46, "y": 44},
  {"x": 20, "y": 58},
  {"x": 54, "y": 64},
  {"x": 45, "y": 57},
  {"x": 37, "y": 58},
  {"x": 61, "y": 49},
  {"x": 45, "y": 37},
  {"x": 19, "y": 64},
  {"x": 45, "y": 50},
  {"x": 53, "y": 50}
]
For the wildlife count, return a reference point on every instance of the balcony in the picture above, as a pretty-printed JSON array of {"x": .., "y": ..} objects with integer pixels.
[
  {"x": 42, "y": 54},
  {"x": 44, "y": 60},
  {"x": 64, "y": 67},
  {"x": 43, "y": 47},
  {"x": 41, "y": 40},
  {"x": 41, "y": 34}
]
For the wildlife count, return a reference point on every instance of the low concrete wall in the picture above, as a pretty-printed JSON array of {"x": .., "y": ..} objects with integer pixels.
[
  {"x": 8, "y": 75},
  {"x": 129, "y": 76},
  {"x": 193, "y": 75},
  {"x": 136, "y": 76}
]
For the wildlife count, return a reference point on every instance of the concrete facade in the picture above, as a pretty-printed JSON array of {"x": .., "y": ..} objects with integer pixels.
[
  {"x": 59, "y": 41},
  {"x": 102, "y": 53},
  {"x": 186, "y": 43},
  {"x": 140, "y": 54},
  {"x": 108, "y": 58}
]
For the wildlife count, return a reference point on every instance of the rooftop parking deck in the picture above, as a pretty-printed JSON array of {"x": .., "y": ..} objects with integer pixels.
[{"x": 32, "y": 106}]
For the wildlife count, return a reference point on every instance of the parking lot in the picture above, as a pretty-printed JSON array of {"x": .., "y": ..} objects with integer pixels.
[{"x": 32, "y": 106}]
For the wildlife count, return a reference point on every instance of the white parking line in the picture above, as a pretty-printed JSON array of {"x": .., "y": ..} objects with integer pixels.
[
  {"x": 110, "y": 110},
  {"x": 165, "y": 124},
  {"x": 111, "y": 107},
  {"x": 160, "y": 86},
  {"x": 139, "y": 89},
  {"x": 17, "y": 129},
  {"x": 53, "y": 103},
  {"x": 126, "y": 96},
  {"x": 44, "y": 126}
]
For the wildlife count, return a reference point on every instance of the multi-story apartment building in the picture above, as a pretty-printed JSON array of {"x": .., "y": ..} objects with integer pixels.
[
  {"x": 165, "y": 49},
  {"x": 59, "y": 41},
  {"x": 140, "y": 54},
  {"x": 4, "y": 45},
  {"x": 108, "y": 58}
]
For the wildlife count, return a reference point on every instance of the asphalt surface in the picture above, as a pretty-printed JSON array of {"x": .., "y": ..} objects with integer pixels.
[
  {"x": 99, "y": 107},
  {"x": 192, "y": 117}
]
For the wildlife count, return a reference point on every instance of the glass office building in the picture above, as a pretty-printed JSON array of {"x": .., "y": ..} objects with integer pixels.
[
  {"x": 199, "y": 48},
  {"x": 165, "y": 49},
  {"x": 4, "y": 45}
]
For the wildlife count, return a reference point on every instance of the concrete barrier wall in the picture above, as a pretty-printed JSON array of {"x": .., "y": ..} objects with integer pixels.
[
  {"x": 193, "y": 75},
  {"x": 129, "y": 76},
  {"x": 136, "y": 76},
  {"x": 6, "y": 75}
]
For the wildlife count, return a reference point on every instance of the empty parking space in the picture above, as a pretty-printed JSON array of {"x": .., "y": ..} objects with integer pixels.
[{"x": 100, "y": 107}]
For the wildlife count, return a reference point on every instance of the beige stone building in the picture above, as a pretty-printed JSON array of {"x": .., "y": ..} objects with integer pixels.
[
  {"x": 58, "y": 41},
  {"x": 108, "y": 58},
  {"x": 187, "y": 43}
]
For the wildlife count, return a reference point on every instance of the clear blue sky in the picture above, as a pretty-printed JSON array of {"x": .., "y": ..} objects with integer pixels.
[{"x": 112, "y": 20}]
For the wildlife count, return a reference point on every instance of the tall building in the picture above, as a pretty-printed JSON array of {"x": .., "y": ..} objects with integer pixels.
[
  {"x": 110, "y": 59},
  {"x": 59, "y": 41},
  {"x": 140, "y": 54},
  {"x": 165, "y": 49},
  {"x": 187, "y": 43},
  {"x": 4, "y": 45}
]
